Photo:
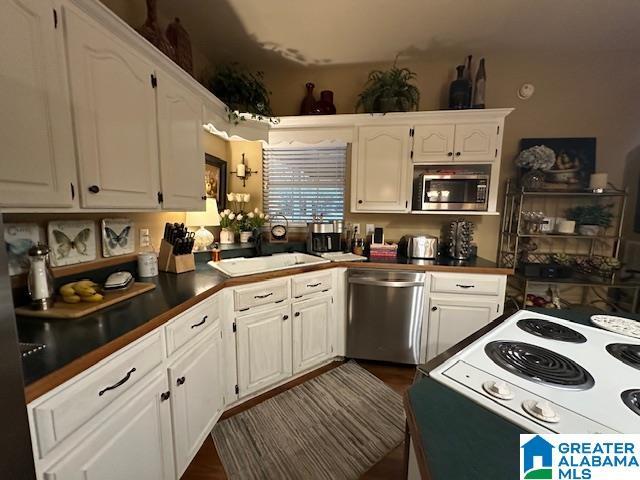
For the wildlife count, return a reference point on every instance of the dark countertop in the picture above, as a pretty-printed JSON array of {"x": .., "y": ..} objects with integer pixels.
[
  {"x": 441, "y": 434},
  {"x": 475, "y": 265}
]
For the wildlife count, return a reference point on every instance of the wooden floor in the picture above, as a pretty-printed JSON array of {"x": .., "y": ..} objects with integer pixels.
[{"x": 207, "y": 465}]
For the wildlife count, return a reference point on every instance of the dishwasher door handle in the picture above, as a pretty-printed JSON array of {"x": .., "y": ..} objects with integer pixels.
[{"x": 385, "y": 283}]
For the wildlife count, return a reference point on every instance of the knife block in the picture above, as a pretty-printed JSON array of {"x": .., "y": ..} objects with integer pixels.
[{"x": 168, "y": 262}]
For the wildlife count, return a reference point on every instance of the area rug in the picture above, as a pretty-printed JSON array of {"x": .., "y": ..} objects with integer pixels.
[{"x": 334, "y": 426}]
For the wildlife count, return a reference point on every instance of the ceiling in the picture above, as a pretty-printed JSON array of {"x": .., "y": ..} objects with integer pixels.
[{"x": 330, "y": 32}]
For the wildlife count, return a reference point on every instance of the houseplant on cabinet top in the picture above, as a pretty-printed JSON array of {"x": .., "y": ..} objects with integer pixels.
[
  {"x": 591, "y": 219},
  {"x": 242, "y": 91},
  {"x": 389, "y": 91}
]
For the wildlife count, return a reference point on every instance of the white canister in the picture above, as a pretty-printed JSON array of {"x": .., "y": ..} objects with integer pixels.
[
  {"x": 547, "y": 225},
  {"x": 147, "y": 264},
  {"x": 567, "y": 227},
  {"x": 245, "y": 236}
]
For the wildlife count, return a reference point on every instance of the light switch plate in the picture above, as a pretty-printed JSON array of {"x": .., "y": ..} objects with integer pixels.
[{"x": 356, "y": 228}]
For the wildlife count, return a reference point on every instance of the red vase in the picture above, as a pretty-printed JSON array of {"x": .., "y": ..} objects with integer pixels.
[
  {"x": 325, "y": 105},
  {"x": 308, "y": 102}
]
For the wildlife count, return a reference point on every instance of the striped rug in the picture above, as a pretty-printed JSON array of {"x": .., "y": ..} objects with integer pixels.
[{"x": 334, "y": 426}]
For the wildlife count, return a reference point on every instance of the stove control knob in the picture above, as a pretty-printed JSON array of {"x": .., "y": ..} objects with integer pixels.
[
  {"x": 499, "y": 389},
  {"x": 542, "y": 410}
]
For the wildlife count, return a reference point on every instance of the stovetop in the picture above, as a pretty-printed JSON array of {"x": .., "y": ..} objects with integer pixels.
[{"x": 550, "y": 375}]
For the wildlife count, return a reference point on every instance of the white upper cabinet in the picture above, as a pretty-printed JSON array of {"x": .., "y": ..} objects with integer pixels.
[
  {"x": 381, "y": 170},
  {"x": 115, "y": 118},
  {"x": 433, "y": 143},
  {"x": 181, "y": 152},
  {"x": 476, "y": 142},
  {"x": 38, "y": 162}
]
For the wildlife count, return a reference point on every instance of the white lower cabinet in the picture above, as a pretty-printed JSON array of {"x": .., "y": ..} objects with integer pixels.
[
  {"x": 197, "y": 396},
  {"x": 312, "y": 332},
  {"x": 263, "y": 343},
  {"x": 451, "y": 319},
  {"x": 135, "y": 442}
]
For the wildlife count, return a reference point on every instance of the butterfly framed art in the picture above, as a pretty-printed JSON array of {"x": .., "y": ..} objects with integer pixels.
[
  {"x": 117, "y": 237},
  {"x": 19, "y": 238},
  {"x": 71, "y": 241}
]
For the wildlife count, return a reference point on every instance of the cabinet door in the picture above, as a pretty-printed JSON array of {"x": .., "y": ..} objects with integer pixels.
[
  {"x": 311, "y": 333},
  {"x": 181, "y": 154},
  {"x": 115, "y": 118},
  {"x": 433, "y": 143},
  {"x": 476, "y": 142},
  {"x": 452, "y": 320},
  {"x": 263, "y": 349},
  {"x": 38, "y": 163},
  {"x": 135, "y": 442},
  {"x": 197, "y": 396},
  {"x": 381, "y": 169}
]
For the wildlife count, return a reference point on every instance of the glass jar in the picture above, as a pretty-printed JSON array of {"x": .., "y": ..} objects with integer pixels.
[{"x": 40, "y": 278}]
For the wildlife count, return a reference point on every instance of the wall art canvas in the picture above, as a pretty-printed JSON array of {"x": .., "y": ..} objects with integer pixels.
[
  {"x": 117, "y": 237},
  {"x": 19, "y": 238},
  {"x": 215, "y": 180},
  {"x": 71, "y": 241},
  {"x": 575, "y": 161}
]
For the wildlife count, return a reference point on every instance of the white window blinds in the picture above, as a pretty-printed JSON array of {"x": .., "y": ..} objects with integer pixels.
[{"x": 302, "y": 181}]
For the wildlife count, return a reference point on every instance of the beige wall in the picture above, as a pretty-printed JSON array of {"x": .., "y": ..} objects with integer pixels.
[{"x": 578, "y": 95}]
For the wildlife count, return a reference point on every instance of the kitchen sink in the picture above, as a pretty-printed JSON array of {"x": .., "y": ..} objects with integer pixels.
[{"x": 236, "y": 267}]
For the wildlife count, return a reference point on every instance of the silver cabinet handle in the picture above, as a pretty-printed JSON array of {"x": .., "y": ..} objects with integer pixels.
[{"x": 386, "y": 283}]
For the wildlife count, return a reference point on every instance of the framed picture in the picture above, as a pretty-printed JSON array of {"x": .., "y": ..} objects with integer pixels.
[
  {"x": 19, "y": 238},
  {"x": 575, "y": 161},
  {"x": 71, "y": 241},
  {"x": 215, "y": 179},
  {"x": 117, "y": 237}
]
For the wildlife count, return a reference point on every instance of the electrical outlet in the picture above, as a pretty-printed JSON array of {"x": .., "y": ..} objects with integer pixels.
[{"x": 370, "y": 228}]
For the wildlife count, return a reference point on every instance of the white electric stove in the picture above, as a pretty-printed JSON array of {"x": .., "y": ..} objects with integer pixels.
[{"x": 551, "y": 375}]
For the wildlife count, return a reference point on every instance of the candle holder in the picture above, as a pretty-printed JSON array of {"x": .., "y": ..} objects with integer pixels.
[{"x": 243, "y": 171}]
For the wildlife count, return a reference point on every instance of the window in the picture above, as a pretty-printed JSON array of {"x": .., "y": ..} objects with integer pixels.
[{"x": 300, "y": 182}]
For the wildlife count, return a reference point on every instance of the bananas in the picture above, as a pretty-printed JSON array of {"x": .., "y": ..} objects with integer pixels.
[{"x": 82, "y": 290}]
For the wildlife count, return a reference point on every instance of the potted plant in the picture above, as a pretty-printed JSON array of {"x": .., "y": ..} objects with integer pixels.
[
  {"x": 591, "y": 219},
  {"x": 256, "y": 221},
  {"x": 389, "y": 91},
  {"x": 244, "y": 227},
  {"x": 536, "y": 160},
  {"x": 227, "y": 222},
  {"x": 242, "y": 91}
]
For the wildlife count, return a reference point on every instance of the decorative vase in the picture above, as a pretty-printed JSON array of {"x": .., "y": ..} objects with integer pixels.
[
  {"x": 460, "y": 91},
  {"x": 308, "y": 102},
  {"x": 227, "y": 236},
  {"x": 481, "y": 83},
  {"x": 245, "y": 236},
  {"x": 181, "y": 43},
  {"x": 325, "y": 105},
  {"x": 533, "y": 180},
  {"x": 151, "y": 31}
]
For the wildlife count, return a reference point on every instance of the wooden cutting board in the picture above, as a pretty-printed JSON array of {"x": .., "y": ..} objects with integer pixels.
[{"x": 77, "y": 310}]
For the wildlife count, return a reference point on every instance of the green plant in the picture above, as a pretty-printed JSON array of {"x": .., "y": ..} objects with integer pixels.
[
  {"x": 242, "y": 91},
  {"x": 389, "y": 91},
  {"x": 594, "y": 214}
]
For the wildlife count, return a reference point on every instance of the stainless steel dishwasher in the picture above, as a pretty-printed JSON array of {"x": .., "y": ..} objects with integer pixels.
[{"x": 385, "y": 310}]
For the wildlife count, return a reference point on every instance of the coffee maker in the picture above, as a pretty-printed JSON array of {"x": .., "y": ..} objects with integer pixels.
[{"x": 324, "y": 237}]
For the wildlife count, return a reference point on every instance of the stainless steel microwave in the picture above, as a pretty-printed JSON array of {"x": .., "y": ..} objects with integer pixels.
[{"x": 453, "y": 191}]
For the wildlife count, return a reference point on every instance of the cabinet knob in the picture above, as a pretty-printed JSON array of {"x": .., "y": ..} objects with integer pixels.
[
  {"x": 180, "y": 381},
  {"x": 359, "y": 201},
  {"x": 285, "y": 317},
  {"x": 433, "y": 309},
  {"x": 165, "y": 396},
  {"x": 94, "y": 189},
  {"x": 449, "y": 154},
  {"x": 458, "y": 154},
  {"x": 203, "y": 197},
  {"x": 297, "y": 314}
]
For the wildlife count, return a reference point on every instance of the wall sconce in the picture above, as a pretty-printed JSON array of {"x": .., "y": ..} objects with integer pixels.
[{"x": 243, "y": 171}]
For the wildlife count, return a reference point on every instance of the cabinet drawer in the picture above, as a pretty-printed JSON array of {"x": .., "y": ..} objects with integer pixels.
[
  {"x": 60, "y": 415},
  {"x": 305, "y": 284},
  {"x": 468, "y": 284},
  {"x": 260, "y": 294},
  {"x": 192, "y": 323}
]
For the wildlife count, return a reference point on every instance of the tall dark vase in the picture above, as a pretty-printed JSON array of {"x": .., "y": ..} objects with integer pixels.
[
  {"x": 308, "y": 102},
  {"x": 152, "y": 32},
  {"x": 325, "y": 105},
  {"x": 459, "y": 91},
  {"x": 481, "y": 84},
  {"x": 179, "y": 39}
]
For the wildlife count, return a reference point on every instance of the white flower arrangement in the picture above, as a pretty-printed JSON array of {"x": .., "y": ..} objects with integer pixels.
[{"x": 538, "y": 157}]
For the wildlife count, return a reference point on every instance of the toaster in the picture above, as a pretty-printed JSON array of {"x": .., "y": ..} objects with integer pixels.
[{"x": 418, "y": 246}]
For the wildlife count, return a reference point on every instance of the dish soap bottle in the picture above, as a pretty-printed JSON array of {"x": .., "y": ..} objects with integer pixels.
[{"x": 147, "y": 256}]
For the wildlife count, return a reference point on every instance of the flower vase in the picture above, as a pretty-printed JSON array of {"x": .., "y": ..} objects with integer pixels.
[
  {"x": 245, "y": 236},
  {"x": 227, "y": 236}
]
